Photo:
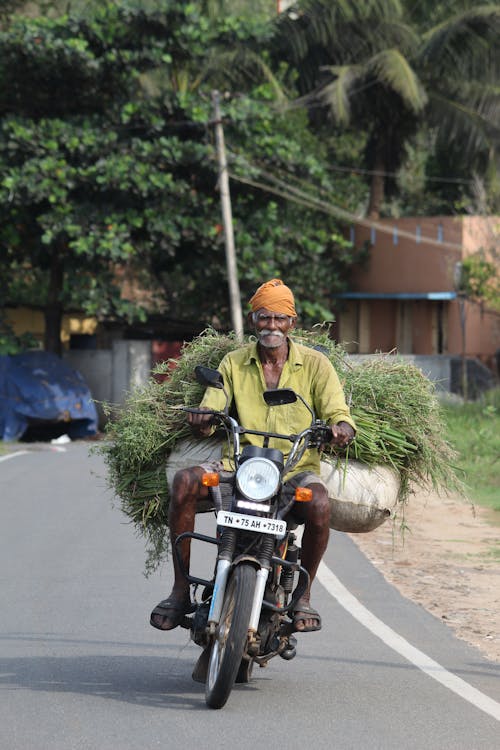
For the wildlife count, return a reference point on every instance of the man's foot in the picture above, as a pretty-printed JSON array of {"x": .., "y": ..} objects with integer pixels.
[
  {"x": 305, "y": 618},
  {"x": 169, "y": 613}
]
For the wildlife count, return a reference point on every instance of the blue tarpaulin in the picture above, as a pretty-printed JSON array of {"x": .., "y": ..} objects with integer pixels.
[{"x": 40, "y": 387}]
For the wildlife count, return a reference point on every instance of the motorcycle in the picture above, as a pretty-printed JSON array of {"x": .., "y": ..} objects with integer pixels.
[{"x": 244, "y": 614}]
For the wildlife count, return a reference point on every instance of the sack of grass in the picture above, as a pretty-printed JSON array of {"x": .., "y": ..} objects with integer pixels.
[{"x": 400, "y": 434}]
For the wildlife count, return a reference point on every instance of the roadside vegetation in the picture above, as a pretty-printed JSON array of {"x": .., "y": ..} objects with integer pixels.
[{"x": 474, "y": 431}]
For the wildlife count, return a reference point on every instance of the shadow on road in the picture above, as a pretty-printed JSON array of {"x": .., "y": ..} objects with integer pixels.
[{"x": 141, "y": 680}]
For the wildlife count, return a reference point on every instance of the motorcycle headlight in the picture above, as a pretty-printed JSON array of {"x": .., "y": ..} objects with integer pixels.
[{"x": 258, "y": 479}]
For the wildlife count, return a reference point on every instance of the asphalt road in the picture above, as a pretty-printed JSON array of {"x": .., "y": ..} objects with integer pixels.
[{"x": 81, "y": 668}]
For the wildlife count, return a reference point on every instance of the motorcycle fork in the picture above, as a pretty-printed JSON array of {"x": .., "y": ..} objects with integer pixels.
[
  {"x": 224, "y": 562},
  {"x": 264, "y": 560},
  {"x": 258, "y": 598}
]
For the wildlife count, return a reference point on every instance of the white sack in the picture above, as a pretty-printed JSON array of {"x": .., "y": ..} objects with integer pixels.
[{"x": 361, "y": 497}]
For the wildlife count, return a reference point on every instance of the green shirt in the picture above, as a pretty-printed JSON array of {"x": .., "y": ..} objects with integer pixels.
[{"x": 308, "y": 372}]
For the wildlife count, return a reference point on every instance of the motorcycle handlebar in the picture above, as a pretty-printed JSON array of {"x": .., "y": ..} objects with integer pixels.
[{"x": 315, "y": 435}]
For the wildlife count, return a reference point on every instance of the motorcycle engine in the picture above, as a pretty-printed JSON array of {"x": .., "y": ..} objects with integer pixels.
[{"x": 199, "y": 624}]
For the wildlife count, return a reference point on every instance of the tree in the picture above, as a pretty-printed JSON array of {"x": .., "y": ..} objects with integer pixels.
[
  {"x": 107, "y": 168},
  {"x": 477, "y": 281},
  {"x": 388, "y": 71}
]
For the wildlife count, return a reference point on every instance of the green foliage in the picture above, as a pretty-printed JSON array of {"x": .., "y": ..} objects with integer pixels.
[
  {"x": 10, "y": 343},
  {"x": 107, "y": 162},
  {"x": 474, "y": 431},
  {"x": 480, "y": 279}
]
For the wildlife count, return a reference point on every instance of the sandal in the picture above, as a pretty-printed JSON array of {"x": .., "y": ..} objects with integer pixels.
[
  {"x": 173, "y": 610},
  {"x": 305, "y": 612}
]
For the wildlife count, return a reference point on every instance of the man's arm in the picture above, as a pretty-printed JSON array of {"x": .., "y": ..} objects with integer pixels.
[
  {"x": 213, "y": 400},
  {"x": 331, "y": 405}
]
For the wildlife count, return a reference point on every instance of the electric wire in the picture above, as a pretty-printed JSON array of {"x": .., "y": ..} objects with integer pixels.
[
  {"x": 284, "y": 189},
  {"x": 293, "y": 194}
]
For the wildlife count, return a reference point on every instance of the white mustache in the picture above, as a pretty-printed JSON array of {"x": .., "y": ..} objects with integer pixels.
[{"x": 265, "y": 333}]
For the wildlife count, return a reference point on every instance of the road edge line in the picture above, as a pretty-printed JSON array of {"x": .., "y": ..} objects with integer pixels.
[
  {"x": 13, "y": 455},
  {"x": 397, "y": 643}
]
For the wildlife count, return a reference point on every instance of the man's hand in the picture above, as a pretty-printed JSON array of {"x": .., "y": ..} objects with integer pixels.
[
  {"x": 201, "y": 423},
  {"x": 342, "y": 434}
]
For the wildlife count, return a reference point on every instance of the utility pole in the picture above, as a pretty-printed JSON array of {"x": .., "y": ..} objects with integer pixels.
[{"x": 227, "y": 221}]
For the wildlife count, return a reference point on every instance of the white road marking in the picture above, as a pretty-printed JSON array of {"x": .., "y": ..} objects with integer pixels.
[
  {"x": 13, "y": 455},
  {"x": 402, "y": 647}
]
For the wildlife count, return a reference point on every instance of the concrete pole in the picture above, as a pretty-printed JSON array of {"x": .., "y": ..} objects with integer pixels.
[{"x": 227, "y": 221}]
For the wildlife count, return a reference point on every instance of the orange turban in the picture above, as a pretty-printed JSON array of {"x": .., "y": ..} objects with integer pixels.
[{"x": 275, "y": 297}]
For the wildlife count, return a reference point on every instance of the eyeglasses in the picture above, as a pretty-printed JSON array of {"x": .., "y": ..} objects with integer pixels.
[{"x": 266, "y": 318}]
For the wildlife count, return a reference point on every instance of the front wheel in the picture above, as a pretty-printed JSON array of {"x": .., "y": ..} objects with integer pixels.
[{"x": 231, "y": 636}]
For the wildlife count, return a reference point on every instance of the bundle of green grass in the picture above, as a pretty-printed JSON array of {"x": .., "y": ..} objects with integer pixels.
[{"x": 397, "y": 414}]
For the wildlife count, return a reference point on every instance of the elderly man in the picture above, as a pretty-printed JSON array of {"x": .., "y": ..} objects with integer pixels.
[{"x": 273, "y": 361}]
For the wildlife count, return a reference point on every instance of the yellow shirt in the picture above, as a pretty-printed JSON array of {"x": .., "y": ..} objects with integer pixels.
[{"x": 308, "y": 372}]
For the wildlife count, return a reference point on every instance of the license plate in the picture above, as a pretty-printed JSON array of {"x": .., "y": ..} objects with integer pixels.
[{"x": 251, "y": 523}]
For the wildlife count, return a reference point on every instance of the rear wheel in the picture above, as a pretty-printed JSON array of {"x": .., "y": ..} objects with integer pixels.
[{"x": 231, "y": 636}]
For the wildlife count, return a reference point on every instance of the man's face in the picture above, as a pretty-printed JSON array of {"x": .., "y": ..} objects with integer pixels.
[{"x": 271, "y": 328}]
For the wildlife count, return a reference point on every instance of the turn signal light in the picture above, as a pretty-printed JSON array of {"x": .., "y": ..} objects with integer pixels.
[
  {"x": 210, "y": 479},
  {"x": 303, "y": 495}
]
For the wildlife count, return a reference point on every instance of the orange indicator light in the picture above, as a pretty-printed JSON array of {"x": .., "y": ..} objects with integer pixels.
[
  {"x": 210, "y": 479},
  {"x": 303, "y": 495}
]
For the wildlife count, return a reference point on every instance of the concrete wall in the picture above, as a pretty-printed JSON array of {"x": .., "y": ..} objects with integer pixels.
[
  {"x": 111, "y": 373},
  {"x": 437, "y": 367}
]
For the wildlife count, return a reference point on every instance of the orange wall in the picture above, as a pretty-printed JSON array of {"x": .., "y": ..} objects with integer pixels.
[
  {"x": 383, "y": 325},
  {"x": 482, "y": 335},
  {"x": 409, "y": 265},
  {"x": 423, "y": 327}
]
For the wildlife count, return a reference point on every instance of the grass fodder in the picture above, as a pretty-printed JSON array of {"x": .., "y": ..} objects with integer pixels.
[{"x": 398, "y": 417}]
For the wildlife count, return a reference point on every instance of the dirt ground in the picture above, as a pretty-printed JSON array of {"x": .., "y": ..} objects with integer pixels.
[{"x": 448, "y": 561}]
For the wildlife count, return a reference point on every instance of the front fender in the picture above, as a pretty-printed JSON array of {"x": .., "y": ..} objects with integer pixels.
[{"x": 246, "y": 559}]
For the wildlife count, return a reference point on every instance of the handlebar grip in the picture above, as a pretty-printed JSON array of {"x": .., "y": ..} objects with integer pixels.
[
  {"x": 326, "y": 432},
  {"x": 193, "y": 410}
]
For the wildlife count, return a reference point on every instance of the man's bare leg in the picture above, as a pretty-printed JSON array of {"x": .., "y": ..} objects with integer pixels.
[
  {"x": 186, "y": 492},
  {"x": 316, "y": 516}
]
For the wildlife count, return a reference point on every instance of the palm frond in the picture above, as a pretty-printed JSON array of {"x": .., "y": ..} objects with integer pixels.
[
  {"x": 336, "y": 93},
  {"x": 457, "y": 121},
  {"x": 392, "y": 69},
  {"x": 462, "y": 38},
  {"x": 245, "y": 64}
]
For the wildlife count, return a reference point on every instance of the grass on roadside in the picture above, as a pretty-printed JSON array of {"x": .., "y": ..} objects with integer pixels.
[{"x": 474, "y": 431}]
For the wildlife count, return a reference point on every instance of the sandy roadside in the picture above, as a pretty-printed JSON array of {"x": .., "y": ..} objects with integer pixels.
[{"x": 448, "y": 561}]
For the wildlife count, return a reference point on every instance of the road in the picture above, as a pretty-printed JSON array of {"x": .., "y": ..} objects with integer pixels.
[{"x": 81, "y": 668}]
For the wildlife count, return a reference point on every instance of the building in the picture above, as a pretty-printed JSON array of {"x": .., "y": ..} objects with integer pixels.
[{"x": 407, "y": 297}]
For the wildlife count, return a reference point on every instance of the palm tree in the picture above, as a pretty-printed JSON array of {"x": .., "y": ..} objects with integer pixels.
[{"x": 386, "y": 69}]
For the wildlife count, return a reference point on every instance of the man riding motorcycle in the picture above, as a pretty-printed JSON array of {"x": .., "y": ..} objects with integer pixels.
[{"x": 273, "y": 361}]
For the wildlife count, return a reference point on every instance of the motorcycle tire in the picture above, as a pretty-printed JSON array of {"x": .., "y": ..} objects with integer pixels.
[{"x": 231, "y": 636}]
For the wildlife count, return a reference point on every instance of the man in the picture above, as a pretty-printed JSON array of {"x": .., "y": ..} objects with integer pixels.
[{"x": 273, "y": 361}]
